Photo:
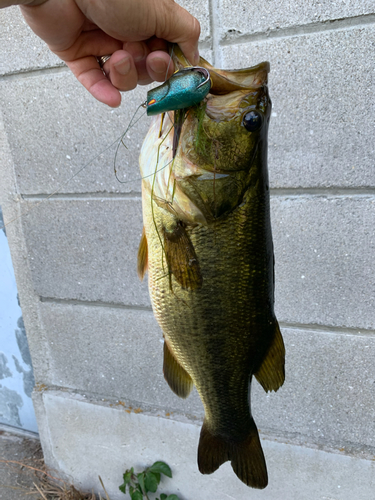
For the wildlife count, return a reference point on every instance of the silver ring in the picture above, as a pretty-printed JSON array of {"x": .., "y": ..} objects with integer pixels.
[{"x": 103, "y": 59}]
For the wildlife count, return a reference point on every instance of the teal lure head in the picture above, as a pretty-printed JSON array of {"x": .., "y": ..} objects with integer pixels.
[{"x": 183, "y": 89}]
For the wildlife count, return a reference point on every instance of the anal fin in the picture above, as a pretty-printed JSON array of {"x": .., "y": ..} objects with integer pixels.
[
  {"x": 142, "y": 261},
  {"x": 177, "y": 377},
  {"x": 246, "y": 455},
  {"x": 271, "y": 374}
]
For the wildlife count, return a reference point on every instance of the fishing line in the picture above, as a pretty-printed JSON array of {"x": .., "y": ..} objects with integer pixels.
[
  {"x": 131, "y": 124},
  {"x": 170, "y": 60},
  {"x": 64, "y": 183},
  {"x": 152, "y": 196},
  {"x": 117, "y": 141}
]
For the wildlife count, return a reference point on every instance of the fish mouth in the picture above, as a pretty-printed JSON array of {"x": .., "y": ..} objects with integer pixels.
[
  {"x": 228, "y": 88},
  {"x": 226, "y": 81}
]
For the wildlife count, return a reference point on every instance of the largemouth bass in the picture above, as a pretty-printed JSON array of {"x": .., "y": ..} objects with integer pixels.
[{"x": 207, "y": 245}]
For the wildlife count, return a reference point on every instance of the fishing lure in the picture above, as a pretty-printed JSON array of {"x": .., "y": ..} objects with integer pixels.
[{"x": 185, "y": 88}]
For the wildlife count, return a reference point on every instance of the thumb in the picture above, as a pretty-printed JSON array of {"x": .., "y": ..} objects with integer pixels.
[{"x": 179, "y": 26}]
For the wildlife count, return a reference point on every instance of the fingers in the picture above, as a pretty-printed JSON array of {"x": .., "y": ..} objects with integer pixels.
[
  {"x": 139, "y": 52},
  {"x": 140, "y": 64},
  {"x": 180, "y": 27},
  {"x": 121, "y": 70},
  {"x": 88, "y": 29},
  {"x": 127, "y": 68},
  {"x": 89, "y": 74},
  {"x": 159, "y": 66}
]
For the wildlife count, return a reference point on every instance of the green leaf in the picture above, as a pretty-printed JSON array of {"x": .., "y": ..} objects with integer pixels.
[
  {"x": 127, "y": 476},
  {"x": 163, "y": 496},
  {"x": 141, "y": 481},
  {"x": 162, "y": 468},
  {"x": 136, "y": 495},
  {"x": 151, "y": 482},
  {"x": 172, "y": 497}
]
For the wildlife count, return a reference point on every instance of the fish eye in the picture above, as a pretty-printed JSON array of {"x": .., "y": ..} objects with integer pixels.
[{"x": 252, "y": 121}]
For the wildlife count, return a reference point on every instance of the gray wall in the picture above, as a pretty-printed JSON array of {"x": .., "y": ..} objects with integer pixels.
[{"x": 101, "y": 401}]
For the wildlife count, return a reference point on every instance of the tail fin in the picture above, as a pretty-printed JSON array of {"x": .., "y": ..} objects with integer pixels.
[{"x": 246, "y": 456}]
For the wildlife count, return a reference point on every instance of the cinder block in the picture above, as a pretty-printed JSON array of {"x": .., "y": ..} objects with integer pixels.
[
  {"x": 87, "y": 439},
  {"x": 86, "y": 250},
  {"x": 321, "y": 129},
  {"x": 327, "y": 399},
  {"x": 113, "y": 352},
  {"x": 328, "y": 395},
  {"x": 239, "y": 18},
  {"x": 28, "y": 298},
  {"x": 324, "y": 251},
  {"x": 23, "y": 49},
  {"x": 56, "y": 128}
]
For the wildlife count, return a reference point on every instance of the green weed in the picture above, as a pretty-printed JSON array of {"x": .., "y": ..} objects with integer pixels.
[{"x": 142, "y": 483}]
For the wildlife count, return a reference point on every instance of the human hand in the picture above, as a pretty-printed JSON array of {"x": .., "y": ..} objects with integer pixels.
[{"x": 134, "y": 32}]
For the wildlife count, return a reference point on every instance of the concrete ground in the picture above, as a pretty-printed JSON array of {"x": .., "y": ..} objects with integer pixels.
[{"x": 18, "y": 453}]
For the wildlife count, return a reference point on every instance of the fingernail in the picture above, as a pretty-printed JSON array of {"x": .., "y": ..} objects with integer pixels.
[
  {"x": 158, "y": 65},
  {"x": 123, "y": 66}
]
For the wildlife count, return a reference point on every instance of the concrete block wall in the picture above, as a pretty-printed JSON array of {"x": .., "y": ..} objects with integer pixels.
[{"x": 101, "y": 400}]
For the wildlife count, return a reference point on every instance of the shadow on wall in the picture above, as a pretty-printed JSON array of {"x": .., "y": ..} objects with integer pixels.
[{"x": 16, "y": 372}]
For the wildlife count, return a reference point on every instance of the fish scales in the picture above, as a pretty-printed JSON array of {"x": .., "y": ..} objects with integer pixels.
[
  {"x": 227, "y": 306},
  {"x": 207, "y": 246}
]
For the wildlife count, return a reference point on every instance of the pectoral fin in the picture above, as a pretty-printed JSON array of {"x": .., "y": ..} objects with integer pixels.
[
  {"x": 181, "y": 257},
  {"x": 142, "y": 256},
  {"x": 177, "y": 377},
  {"x": 271, "y": 374}
]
